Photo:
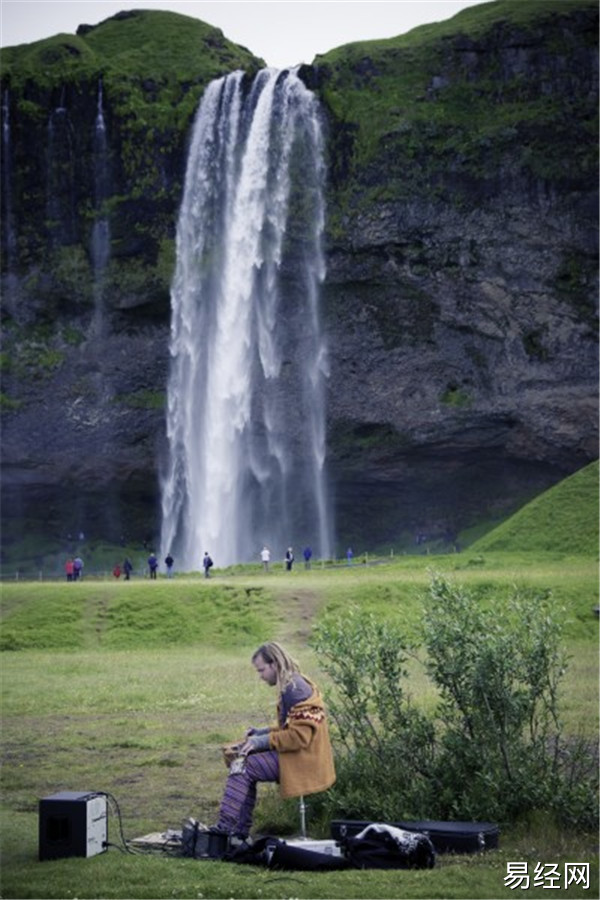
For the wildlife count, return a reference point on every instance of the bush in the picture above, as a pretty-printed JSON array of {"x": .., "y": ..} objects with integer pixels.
[
  {"x": 387, "y": 742},
  {"x": 497, "y": 670},
  {"x": 492, "y": 748}
]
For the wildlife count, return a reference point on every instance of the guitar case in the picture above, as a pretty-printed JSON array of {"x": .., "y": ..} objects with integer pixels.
[{"x": 446, "y": 837}]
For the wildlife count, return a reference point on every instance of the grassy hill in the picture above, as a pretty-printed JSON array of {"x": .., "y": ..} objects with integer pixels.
[{"x": 562, "y": 519}]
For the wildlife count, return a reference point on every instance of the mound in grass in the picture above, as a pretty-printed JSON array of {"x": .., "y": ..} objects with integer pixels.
[{"x": 563, "y": 519}]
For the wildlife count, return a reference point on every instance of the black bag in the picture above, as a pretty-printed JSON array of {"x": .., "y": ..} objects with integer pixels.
[
  {"x": 277, "y": 854},
  {"x": 381, "y": 846},
  {"x": 203, "y": 843}
]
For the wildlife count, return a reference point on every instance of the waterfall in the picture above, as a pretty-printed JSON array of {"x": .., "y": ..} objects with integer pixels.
[
  {"x": 60, "y": 181},
  {"x": 100, "y": 240},
  {"x": 7, "y": 178},
  {"x": 245, "y": 412}
]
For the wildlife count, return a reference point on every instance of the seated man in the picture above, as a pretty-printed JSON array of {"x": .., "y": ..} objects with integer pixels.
[{"x": 296, "y": 752}]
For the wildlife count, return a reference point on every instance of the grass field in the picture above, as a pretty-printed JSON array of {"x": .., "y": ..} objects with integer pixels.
[{"x": 130, "y": 688}]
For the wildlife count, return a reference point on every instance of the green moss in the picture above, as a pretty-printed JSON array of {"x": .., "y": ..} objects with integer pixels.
[
  {"x": 473, "y": 22},
  {"x": 72, "y": 336},
  {"x": 455, "y": 397},
  {"x": 9, "y": 404},
  {"x": 154, "y": 67},
  {"x": 50, "y": 359},
  {"x": 34, "y": 352},
  {"x": 134, "y": 279},
  {"x": 165, "y": 264},
  {"x": 142, "y": 400},
  {"x": 185, "y": 54},
  {"x": 349, "y": 440},
  {"x": 34, "y": 360},
  {"x": 71, "y": 269},
  {"x": 411, "y": 115}
]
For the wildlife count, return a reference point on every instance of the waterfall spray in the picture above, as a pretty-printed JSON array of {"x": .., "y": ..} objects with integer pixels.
[{"x": 245, "y": 417}]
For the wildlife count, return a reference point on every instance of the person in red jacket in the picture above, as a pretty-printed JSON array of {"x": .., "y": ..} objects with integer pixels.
[{"x": 69, "y": 569}]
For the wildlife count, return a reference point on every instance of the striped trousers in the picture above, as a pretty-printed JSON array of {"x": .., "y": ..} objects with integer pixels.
[{"x": 239, "y": 797}]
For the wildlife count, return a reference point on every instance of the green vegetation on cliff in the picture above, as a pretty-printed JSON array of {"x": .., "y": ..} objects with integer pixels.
[
  {"x": 154, "y": 65},
  {"x": 149, "y": 69},
  {"x": 453, "y": 102}
]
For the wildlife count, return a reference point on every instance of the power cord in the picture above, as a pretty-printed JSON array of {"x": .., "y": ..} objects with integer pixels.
[{"x": 126, "y": 846}]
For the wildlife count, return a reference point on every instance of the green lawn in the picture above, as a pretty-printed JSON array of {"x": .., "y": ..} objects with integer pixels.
[{"x": 130, "y": 688}]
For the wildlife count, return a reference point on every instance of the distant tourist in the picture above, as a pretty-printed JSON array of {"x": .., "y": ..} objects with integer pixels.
[
  {"x": 349, "y": 555},
  {"x": 69, "y": 569},
  {"x": 265, "y": 555},
  {"x": 207, "y": 564},
  {"x": 127, "y": 568},
  {"x": 289, "y": 559},
  {"x": 307, "y": 553},
  {"x": 77, "y": 568},
  {"x": 152, "y": 565},
  {"x": 169, "y": 564},
  {"x": 117, "y": 571}
]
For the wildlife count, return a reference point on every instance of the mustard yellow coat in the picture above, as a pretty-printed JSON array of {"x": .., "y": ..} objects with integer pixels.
[{"x": 305, "y": 757}]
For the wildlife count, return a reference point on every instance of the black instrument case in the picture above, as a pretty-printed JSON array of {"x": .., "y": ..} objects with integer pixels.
[{"x": 446, "y": 837}]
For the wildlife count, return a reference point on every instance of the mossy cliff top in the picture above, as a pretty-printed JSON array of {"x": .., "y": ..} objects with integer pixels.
[
  {"x": 506, "y": 85},
  {"x": 154, "y": 65},
  {"x": 152, "y": 68}
]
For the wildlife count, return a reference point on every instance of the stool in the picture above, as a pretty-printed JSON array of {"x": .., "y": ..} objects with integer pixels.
[{"x": 302, "y": 809}]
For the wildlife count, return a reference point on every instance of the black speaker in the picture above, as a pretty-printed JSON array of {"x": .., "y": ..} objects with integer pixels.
[{"x": 72, "y": 823}]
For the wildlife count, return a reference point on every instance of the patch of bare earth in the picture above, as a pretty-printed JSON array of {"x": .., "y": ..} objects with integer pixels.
[{"x": 299, "y": 611}]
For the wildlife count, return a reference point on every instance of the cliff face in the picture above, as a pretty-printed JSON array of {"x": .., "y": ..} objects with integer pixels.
[
  {"x": 460, "y": 299},
  {"x": 462, "y": 282}
]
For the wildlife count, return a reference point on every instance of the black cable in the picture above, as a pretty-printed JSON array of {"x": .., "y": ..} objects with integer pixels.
[
  {"x": 126, "y": 848},
  {"x": 127, "y": 845},
  {"x": 116, "y": 846}
]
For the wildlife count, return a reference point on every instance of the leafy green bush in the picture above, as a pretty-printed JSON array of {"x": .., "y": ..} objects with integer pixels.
[
  {"x": 388, "y": 742},
  {"x": 497, "y": 670},
  {"x": 493, "y": 746}
]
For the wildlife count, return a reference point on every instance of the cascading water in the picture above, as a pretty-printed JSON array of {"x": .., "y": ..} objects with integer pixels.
[
  {"x": 245, "y": 418},
  {"x": 100, "y": 242},
  {"x": 60, "y": 181},
  {"x": 7, "y": 186}
]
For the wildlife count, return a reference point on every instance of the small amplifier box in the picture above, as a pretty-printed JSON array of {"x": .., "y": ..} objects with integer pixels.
[{"x": 72, "y": 823}]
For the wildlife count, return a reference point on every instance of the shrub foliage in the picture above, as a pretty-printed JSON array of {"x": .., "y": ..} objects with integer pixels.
[{"x": 491, "y": 749}]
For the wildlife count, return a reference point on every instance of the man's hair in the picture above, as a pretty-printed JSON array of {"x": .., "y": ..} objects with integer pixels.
[{"x": 285, "y": 665}]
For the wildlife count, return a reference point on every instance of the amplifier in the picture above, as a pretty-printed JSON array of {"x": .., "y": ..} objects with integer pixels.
[{"x": 72, "y": 823}]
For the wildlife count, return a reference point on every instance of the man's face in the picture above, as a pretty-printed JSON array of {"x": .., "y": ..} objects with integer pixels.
[{"x": 266, "y": 671}]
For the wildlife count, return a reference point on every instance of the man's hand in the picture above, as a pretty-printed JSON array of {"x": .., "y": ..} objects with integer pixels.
[{"x": 255, "y": 743}]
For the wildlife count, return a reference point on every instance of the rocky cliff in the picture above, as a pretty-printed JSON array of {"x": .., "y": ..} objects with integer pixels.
[
  {"x": 462, "y": 282},
  {"x": 460, "y": 301}
]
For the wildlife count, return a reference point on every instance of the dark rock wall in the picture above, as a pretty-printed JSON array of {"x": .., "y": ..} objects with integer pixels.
[
  {"x": 460, "y": 299},
  {"x": 463, "y": 311}
]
